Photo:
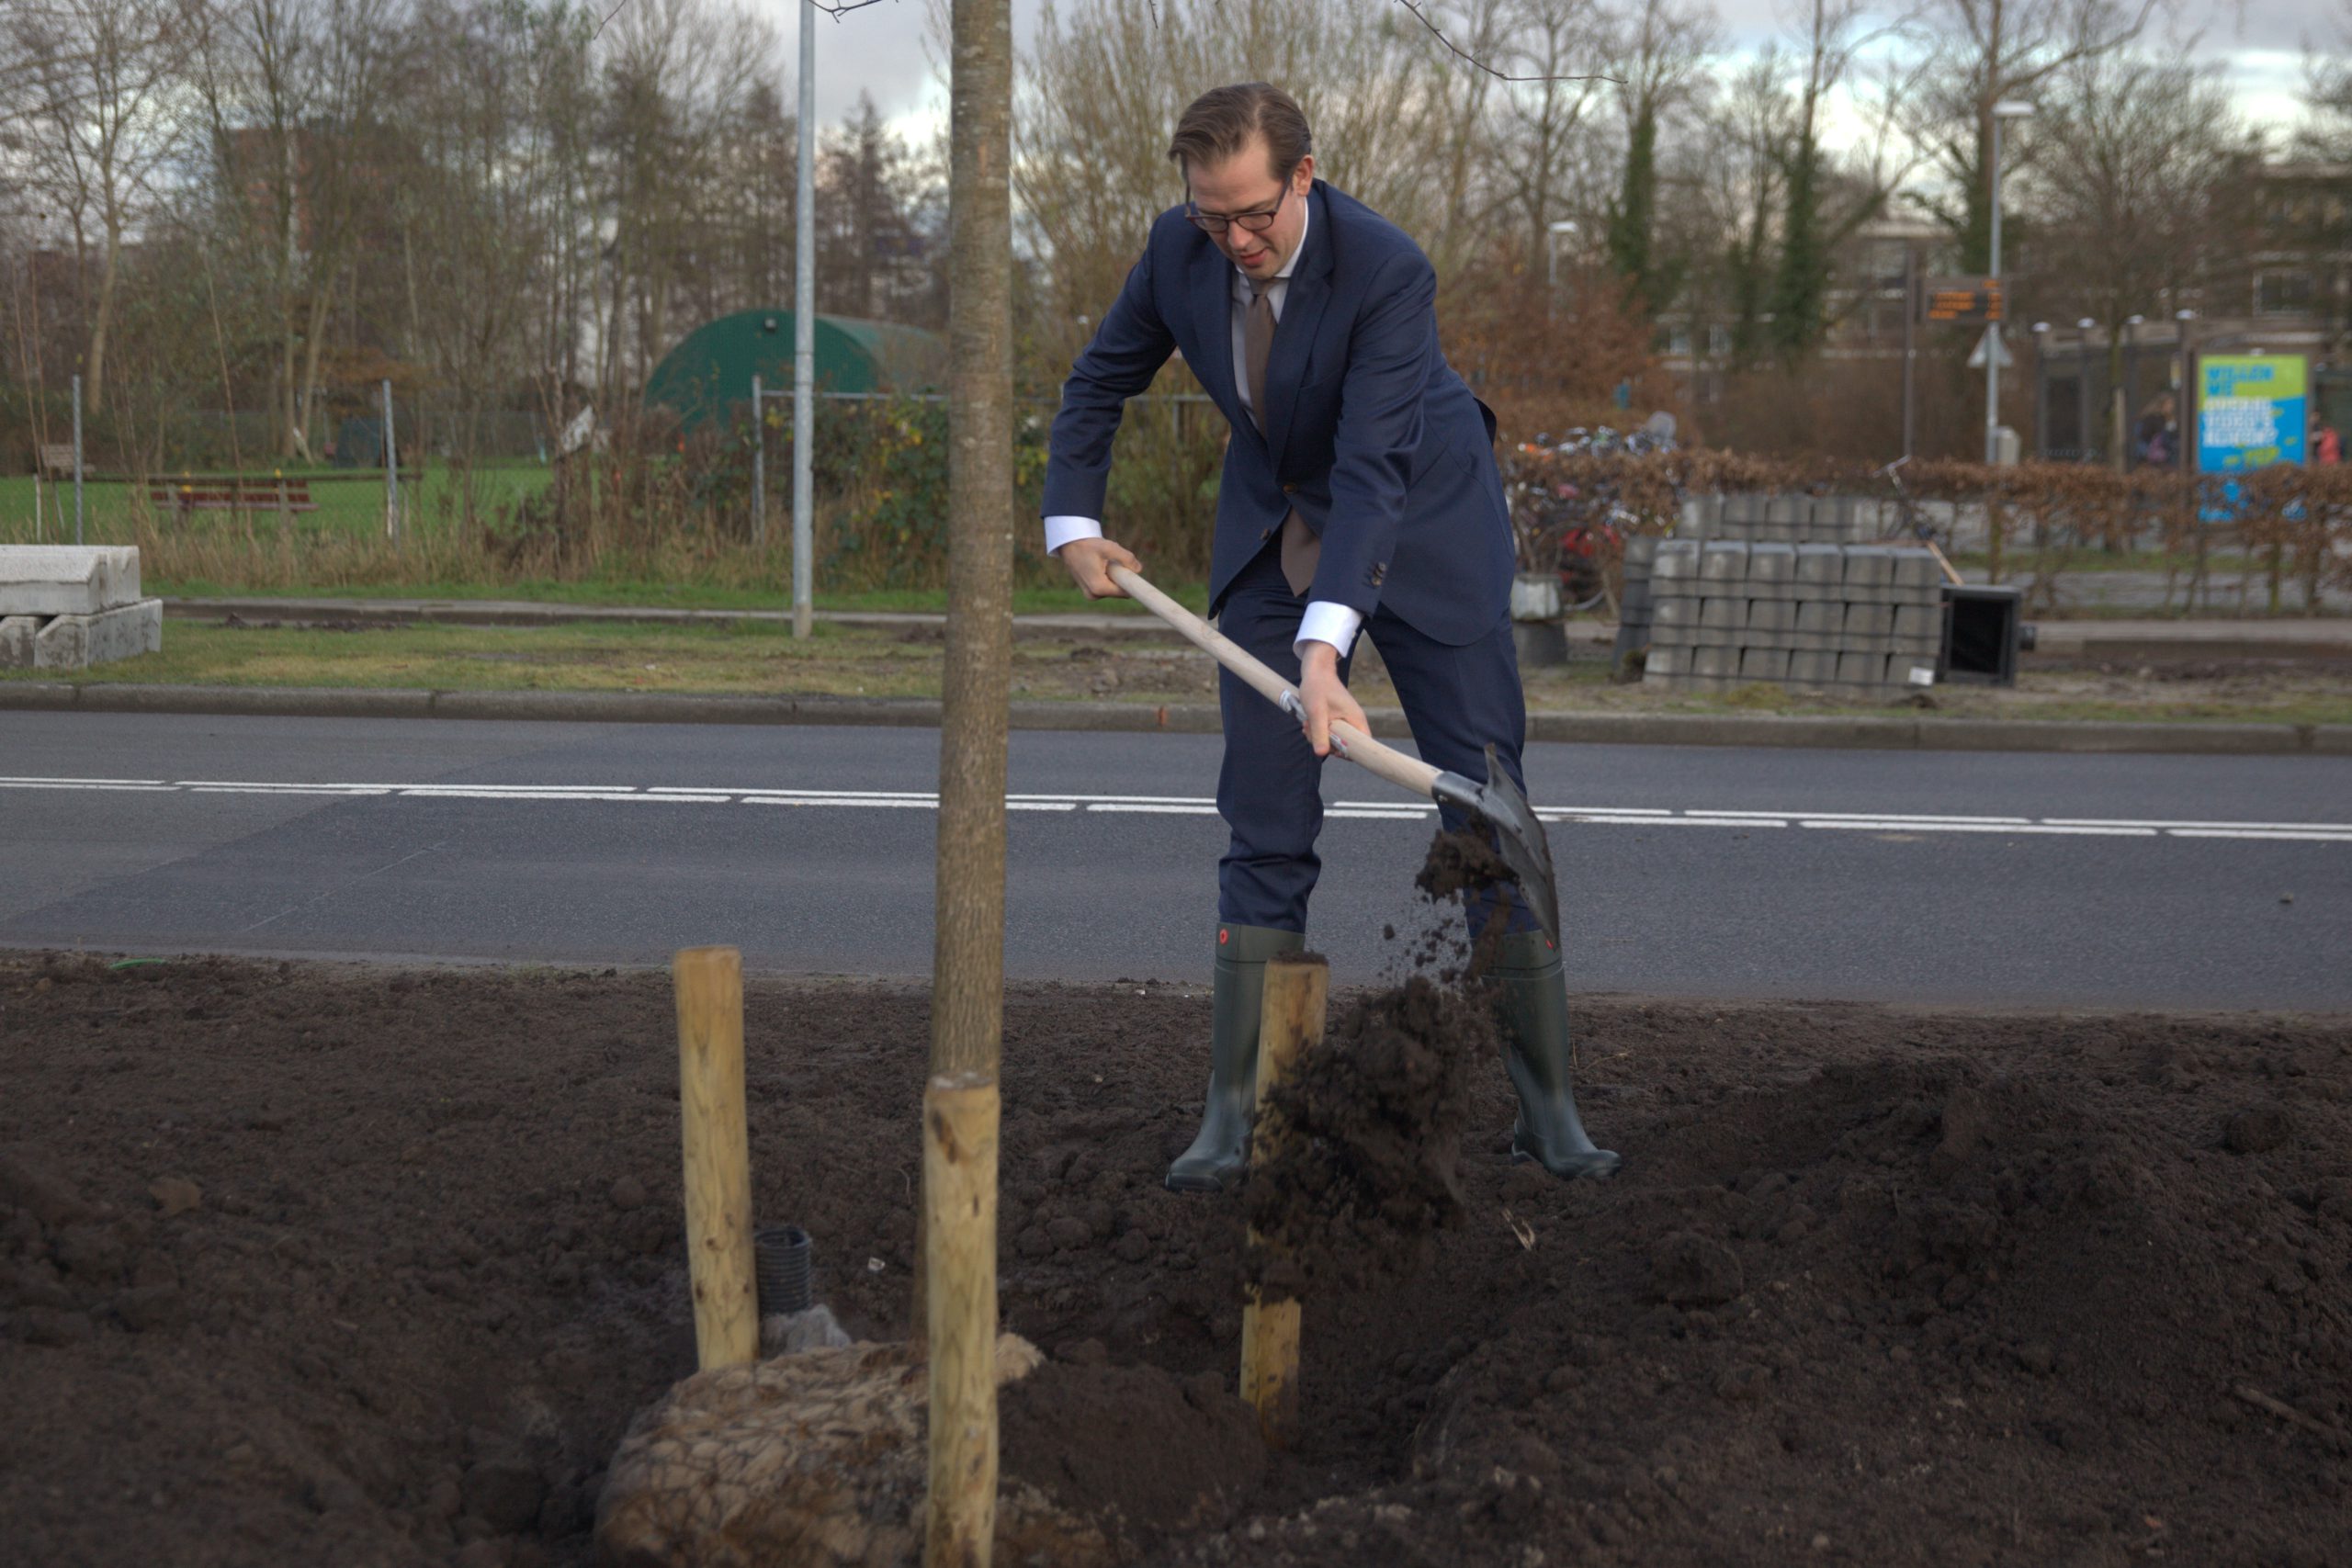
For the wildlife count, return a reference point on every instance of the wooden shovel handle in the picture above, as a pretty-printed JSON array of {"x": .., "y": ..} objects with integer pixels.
[{"x": 1407, "y": 773}]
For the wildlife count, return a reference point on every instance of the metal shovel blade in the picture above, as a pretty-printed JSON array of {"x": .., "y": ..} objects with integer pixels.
[{"x": 1519, "y": 836}]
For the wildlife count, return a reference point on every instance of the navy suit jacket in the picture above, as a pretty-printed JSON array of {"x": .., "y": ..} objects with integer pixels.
[{"x": 1369, "y": 434}]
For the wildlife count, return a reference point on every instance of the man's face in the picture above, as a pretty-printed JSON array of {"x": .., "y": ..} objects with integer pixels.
[{"x": 1245, "y": 182}]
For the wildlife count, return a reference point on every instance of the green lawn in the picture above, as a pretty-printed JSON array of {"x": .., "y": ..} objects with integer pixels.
[{"x": 347, "y": 500}]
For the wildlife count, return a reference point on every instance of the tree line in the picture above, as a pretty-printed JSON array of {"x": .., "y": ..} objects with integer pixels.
[{"x": 268, "y": 205}]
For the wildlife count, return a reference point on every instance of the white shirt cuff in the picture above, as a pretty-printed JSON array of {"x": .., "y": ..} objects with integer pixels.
[
  {"x": 1328, "y": 621},
  {"x": 1060, "y": 530}
]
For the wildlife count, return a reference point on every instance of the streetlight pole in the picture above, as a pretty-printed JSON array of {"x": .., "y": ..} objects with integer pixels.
[
  {"x": 2009, "y": 109},
  {"x": 804, "y": 334}
]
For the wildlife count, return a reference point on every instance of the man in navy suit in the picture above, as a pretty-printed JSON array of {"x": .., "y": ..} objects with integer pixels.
[{"x": 1360, "y": 494}]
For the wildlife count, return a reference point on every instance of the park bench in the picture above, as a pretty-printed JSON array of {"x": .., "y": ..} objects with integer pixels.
[{"x": 233, "y": 494}]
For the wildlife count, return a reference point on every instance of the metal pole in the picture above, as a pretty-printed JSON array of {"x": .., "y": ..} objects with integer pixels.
[
  {"x": 1910, "y": 343},
  {"x": 759, "y": 469},
  {"x": 78, "y": 460},
  {"x": 391, "y": 469},
  {"x": 1992, "y": 329},
  {"x": 804, "y": 334}
]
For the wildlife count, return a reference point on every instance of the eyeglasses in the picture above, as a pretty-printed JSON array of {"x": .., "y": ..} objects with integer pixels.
[{"x": 1249, "y": 223}]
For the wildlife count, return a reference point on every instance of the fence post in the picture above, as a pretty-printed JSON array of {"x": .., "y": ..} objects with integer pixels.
[
  {"x": 391, "y": 469},
  {"x": 759, "y": 469},
  {"x": 804, "y": 335}
]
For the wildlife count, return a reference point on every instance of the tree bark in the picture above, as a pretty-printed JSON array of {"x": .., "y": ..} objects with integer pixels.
[{"x": 967, "y": 987}]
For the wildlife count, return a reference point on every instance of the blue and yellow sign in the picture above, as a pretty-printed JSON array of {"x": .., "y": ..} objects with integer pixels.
[{"x": 2251, "y": 412}]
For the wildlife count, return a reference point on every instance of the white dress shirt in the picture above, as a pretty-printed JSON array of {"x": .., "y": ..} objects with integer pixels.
[{"x": 1325, "y": 621}]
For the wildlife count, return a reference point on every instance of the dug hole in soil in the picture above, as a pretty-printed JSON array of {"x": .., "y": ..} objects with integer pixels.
[{"x": 308, "y": 1264}]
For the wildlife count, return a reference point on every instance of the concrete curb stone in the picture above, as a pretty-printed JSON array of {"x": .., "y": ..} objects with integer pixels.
[{"x": 1858, "y": 731}]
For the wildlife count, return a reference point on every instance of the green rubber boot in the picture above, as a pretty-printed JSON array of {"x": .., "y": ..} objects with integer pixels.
[
  {"x": 1532, "y": 1001},
  {"x": 1218, "y": 1155}
]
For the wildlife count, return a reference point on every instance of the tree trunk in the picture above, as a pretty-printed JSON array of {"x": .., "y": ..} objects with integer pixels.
[
  {"x": 968, "y": 986},
  {"x": 94, "y": 382},
  {"x": 308, "y": 405}
]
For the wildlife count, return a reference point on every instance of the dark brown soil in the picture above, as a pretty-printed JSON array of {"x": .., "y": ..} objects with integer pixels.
[{"x": 318, "y": 1264}]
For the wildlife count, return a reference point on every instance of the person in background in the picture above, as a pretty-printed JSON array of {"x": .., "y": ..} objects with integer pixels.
[
  {"x": 2155, "y": 434},
  {"x": 2327, "y": 446}
]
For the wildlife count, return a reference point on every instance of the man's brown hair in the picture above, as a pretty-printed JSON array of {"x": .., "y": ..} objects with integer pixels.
[{"x": 1219, "y": 123}]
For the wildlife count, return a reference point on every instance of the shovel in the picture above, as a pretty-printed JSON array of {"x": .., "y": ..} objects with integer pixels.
[{"x": 1497, "y": 803}]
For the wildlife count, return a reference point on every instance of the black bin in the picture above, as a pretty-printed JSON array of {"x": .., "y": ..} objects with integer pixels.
[{"x": 1980, "y": 635}]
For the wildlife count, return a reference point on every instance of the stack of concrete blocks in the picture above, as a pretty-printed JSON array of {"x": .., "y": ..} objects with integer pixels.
[
  {"x": 1788, "y": 519},
  {"x": 1862, "y": 621},
  {"x": 70, "y": 606}
]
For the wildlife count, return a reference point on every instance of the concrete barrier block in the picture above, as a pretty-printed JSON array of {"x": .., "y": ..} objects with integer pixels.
[
  {"x": 1822, "y": 617},
  {"x": 17, "y": 641},
  {"x": 1664, "y": 664},
  {"x": 76, "y": 642},
  {"x": 1916, "y": 568},
  {"x": 1788, "y": 508},
  {"x": 1918, "y": 647},
  {"x": 1717, "y": 636},
  {"x": 1918, "y": 620},
  {"x": 1641, "y": 550},
  {"x": 1772, "y": 563},
  {"x": 1726, "y": 612},
  {"x": 1718, "y": 662},
  {"x": 1860, "y": 669},
  {"x": 1868, "y": 566},
  {"x": 1677, "y": 559},
  {"x": 1821, "y": 565},
  {"x": 1724, "y": 560},
  {"x": 1771, "y": 615},
  {"x": 1674, "y": 610},
  {"x": 1811, "y": 667},
  {"x": 67, "y": 580},
  {"x": 1869, "y": 620},
  {"x": 1764, "y": 664}
]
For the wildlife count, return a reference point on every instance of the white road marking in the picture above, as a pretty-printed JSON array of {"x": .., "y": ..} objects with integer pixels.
[{"x": 1905, "y": 823}]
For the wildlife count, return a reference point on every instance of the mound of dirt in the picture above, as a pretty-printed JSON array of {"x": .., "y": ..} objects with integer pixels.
[{"x": 316, "y": 1263}]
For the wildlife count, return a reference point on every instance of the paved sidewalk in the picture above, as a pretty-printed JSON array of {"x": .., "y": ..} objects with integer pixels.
[{"x": 2321, "y": 637}]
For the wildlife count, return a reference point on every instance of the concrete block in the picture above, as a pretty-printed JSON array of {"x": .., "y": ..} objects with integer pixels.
[
  {"x": 1674, "y": 610},
  {"x": 1918, "y": 620},
  {"x": 1724, "y": 560},
  {"x": 1788, "y": 509},
  {"x": 1771, "y": 563},
  {"x": 1700, "y": 514},
  {"x": 1822, "y": 566},
  {"x": 1832, "y": 514},
  {"x": 1717, "y": 636},
  {"x": 1812, "y": 668},
  {"x": 1825, "y": 617},
  {"x": 1641, "y": 550},
  {"x": 1869, "y": 620},
  {"x": 1764, "y": 664},
  {"x": 1787, "y": 593},
  {"x": 1665, "y": 663},
  {"x": 17, "y": 641},
  {"x": 1715, "y": 662},
  {"x": 1728, "y": 613},
  {"x": 1818, "y": 642},
  {"x": 1918, "y": 647},
  {"x": 1868, "y": 566},
  {"x": 1771, "y": 615},
  {"x": 1677, "y": 559},
  {"x": 1916, "y": 568},
  {"x": 76, "y": 642},
  {"x": 67, "y": 580},
  {"x": 1861, "y": 669}
]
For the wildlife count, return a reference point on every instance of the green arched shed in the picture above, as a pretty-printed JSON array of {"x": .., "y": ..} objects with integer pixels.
[{"x": 711, "y": 368}]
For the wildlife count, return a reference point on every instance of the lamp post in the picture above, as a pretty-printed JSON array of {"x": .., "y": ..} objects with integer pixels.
[
  {"x": 2007, "y": 109},
  {"x": 2125, "y": 387},
  {"x": 1554, "y": 232},
  {"x": 2181, "y": 402},
  {"x": 2083, "y": 325},
  {"x": 2041, "y": 389}
]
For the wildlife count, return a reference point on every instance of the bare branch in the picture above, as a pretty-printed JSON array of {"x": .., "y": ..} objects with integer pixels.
[{"x": 1422, "y": 17}]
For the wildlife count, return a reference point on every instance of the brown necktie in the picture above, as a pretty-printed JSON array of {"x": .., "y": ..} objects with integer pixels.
[{"x": 1301, "y": 545}]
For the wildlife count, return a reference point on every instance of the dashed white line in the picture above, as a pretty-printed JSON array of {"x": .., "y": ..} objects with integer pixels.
[{"x": 1883, "y": 823}]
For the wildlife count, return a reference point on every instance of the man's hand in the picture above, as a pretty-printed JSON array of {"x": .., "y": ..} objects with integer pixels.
[
  {"x": 1089, "y": 563},
  {"x": 1326, "y": 697}
]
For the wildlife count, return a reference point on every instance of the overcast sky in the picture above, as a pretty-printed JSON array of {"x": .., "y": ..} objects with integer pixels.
[{"x": 2259, "y": 43}]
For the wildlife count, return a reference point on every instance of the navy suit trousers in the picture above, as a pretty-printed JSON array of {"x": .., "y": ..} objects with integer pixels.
[{"x": 1458, "y": 700}]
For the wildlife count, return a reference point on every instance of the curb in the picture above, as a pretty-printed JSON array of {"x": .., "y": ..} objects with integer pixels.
[{"x": 1857, "y": 732}]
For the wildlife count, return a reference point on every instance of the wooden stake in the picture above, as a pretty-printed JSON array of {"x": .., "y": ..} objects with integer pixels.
[
  {"x": 1296, "y": 986},
  {"x": 718, "y": 1164},
  {"x": 959, "y": 1119}
]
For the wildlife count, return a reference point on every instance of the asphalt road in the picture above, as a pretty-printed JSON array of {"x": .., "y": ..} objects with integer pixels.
[{"x": 1938, "y": 877}]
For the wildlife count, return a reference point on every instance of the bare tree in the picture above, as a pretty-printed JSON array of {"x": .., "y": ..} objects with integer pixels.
[
  {"x": 1660, "y": 58},
  {"x": 103, "y": 73},
  {"x": 1983, "y": 51}
]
